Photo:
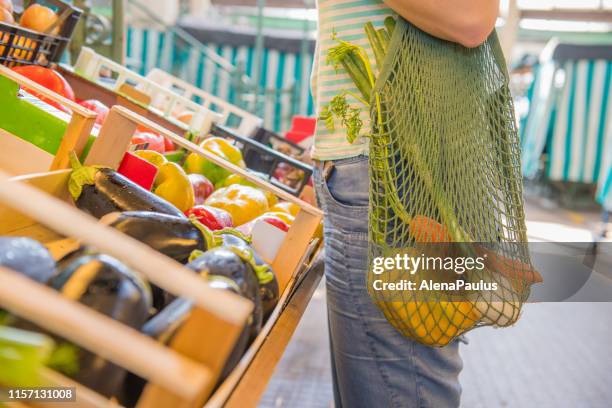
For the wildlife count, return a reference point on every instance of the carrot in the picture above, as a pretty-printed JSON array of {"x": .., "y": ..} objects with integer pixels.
[
  {"x": 426, "y": 230},
  {"x": 513, "y": 269}
]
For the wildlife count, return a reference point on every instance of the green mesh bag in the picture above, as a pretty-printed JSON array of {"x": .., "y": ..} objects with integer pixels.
[
  {"x": 445, "y": 183},
  {"x": 445, "y": 167}
]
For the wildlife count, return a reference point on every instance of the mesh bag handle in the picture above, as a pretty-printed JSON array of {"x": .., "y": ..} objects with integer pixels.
[{"x": 446, "y": 183}]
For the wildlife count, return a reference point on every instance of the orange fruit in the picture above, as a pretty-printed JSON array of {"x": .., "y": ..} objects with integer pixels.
[
  {"x": 434, "y": 323},
  {"x": 39, "y": 18}
]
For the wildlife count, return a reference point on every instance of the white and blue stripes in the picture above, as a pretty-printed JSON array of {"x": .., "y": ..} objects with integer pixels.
[
  {"x": 149, "y": 48},
  {"x": 570, "y": 117}
]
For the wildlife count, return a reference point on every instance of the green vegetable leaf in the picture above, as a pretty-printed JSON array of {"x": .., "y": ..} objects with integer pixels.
[
  {"x": 207, "y": 234},
  {"x": 195, "y": 254},
  {"x": 353, "y": 124},
  {"x": 264, "y": 272},
  {"x": 80, "y": 176},
  {"x": 327, "y": 117},
  {"x": 348, "y": 116}
]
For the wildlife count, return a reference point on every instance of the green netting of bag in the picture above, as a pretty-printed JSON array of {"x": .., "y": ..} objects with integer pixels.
[
  {"x": 445, "y": 167},
  {"x": 445, "y": 179}
]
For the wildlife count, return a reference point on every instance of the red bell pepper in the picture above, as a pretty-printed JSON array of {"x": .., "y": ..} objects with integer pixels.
[
  {"x": 155, "y": 142},
  {"x": 211, "y": 217}
]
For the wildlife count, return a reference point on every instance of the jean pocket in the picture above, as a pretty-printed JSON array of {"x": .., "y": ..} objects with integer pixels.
[
  {"x": 348, "y": 184},
  {"x": 344, "y": 196}
]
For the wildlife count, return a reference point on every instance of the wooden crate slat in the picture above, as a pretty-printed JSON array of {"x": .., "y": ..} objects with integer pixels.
[
  {"x": 53, "y": 183},
  {"x": 85, "y": 398},
  {"x": 100, "y": 334},
  {"x": 31, "y": 159}
]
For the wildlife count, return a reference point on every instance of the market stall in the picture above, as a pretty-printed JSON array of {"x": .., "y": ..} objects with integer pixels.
[
  {"x": 169, "y": 274},
  {"x": 293, "y": 256}
]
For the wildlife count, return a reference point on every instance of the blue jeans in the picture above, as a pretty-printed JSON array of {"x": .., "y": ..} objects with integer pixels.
[{"x": 373, "y": 365}]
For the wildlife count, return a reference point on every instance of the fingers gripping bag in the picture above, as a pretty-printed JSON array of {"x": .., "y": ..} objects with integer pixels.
[{"x": 446, "y": 210}]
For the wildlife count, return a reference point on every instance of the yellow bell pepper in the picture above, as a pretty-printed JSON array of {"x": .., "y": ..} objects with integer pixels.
[
  {"x": 173, "y": 185},
  {"x": 238, "y": 179},
  {"x": 155, "y": 158},
  {"x": 244, "y": 203},
  {"x": 286, "y": 207},
  {"x": 219, "y": 147}
]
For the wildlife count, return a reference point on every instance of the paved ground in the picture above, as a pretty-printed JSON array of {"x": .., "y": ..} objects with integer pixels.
[{"x": 558, "y": 355}]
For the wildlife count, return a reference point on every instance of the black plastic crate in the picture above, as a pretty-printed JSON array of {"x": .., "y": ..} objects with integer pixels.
[
  {"x": 274, "y": 140},
  {"x": 21, "y": 46},
  {"x": 263, "y": 159}
]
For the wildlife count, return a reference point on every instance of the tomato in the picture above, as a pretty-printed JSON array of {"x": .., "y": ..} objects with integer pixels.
[
  {"x": 50, "y": 79},
  {"x": 98, "y": 107},
  {"x": 155, "y": 142}
]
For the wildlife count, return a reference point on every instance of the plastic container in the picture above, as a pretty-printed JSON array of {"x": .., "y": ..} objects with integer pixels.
[
  {"x": 263, "y": 159},
  {"x": 247, "y": 123}
]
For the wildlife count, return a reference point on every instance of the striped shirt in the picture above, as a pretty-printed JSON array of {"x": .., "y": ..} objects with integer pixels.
[{"x": 346, "y": 18}]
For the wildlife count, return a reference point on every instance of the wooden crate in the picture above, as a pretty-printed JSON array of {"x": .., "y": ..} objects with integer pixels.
[
  {"x": 289, "y": 265},
  {"x": 14, "y": 150}
]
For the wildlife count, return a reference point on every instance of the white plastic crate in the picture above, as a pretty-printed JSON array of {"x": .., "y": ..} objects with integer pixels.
[
  {"x": 96, "y": 68},
  {"x": 249, "y": 123}
]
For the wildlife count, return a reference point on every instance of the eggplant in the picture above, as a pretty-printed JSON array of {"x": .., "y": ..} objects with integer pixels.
[
  {"x": 225, "y": 262},
  {"x": 109, "y": 287},
  {"x": 268, "y": 284},
  {"x": 101, "y": 191},
  {"x": 163, "y": 326},
  {"x": 176, "y": 237},
  {"x": 27, "y": 256}
]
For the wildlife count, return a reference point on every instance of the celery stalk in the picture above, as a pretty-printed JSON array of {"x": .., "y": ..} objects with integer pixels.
[
  {"x": 379, "y": 52},
  {"x": 390, "y": 25},
  {"x": 359, "y": 78},
  {"x": 384, "y": 38}
]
